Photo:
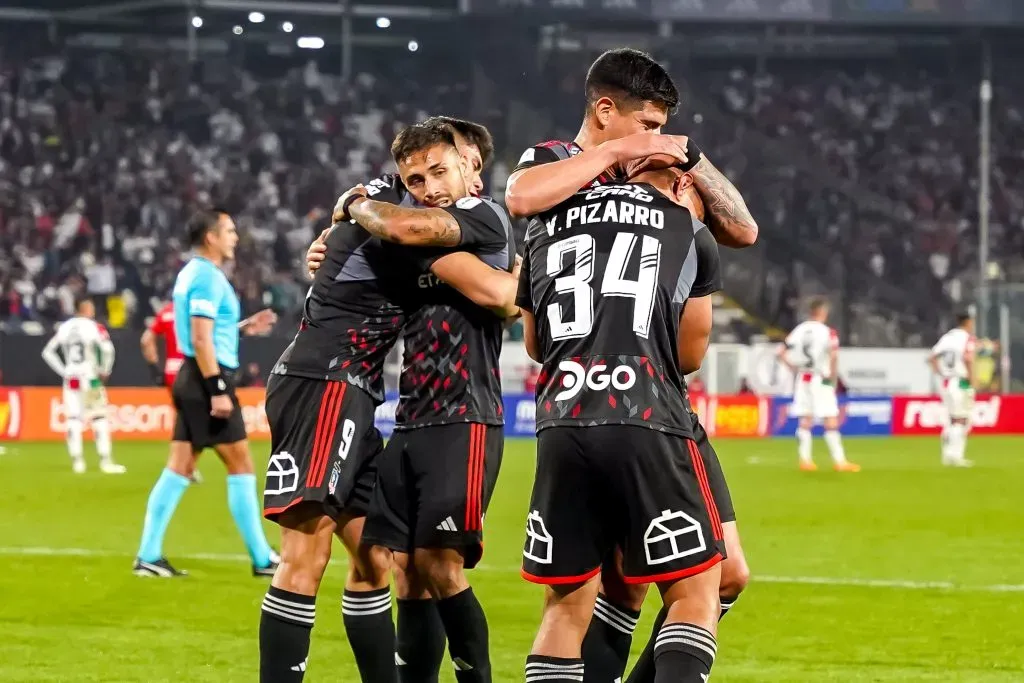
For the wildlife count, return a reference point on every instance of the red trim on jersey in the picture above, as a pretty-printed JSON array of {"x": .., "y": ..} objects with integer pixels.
[
  {"x": 162, "y": 326},
  {"x": 277, "y": 511},
  {"x": 559, "y": 580},
  {"x": 705, "y": 489},
  {"x": 327, "y": 426},
  {"x": 676, "y": 575}
]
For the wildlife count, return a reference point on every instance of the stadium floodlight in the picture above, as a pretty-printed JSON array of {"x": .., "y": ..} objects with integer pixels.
[
  {"x": 413, "y": 46},
  {"x": 310, "y": 42},
  {"x": 383, "y": 22},
  {"x": 237, "y": 30},
  {"x": 287, "y": 27},
  {"x": 197, "y": 21},
  {"x": 256, "y": 17}
]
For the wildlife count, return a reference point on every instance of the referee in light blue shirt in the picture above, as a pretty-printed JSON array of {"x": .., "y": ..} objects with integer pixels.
[{"x": 206, "y": 324}]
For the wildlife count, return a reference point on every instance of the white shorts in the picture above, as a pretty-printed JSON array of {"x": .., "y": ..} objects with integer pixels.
[
  {"x": 84, "y": 403},
  {"x": 813, "y": 398},
  {"x": 959, "y": 401}
]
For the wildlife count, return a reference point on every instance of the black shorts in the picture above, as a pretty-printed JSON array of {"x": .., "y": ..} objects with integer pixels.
[
  {"x": 433, "y": 487},
  {"x": 193, "y": 422},
  {"x": 642, "y": 490},
  {"x": 716, "y": 477},
  {"x": 323, "y": 444}
]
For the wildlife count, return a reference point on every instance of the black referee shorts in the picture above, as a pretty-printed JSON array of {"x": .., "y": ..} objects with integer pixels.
[{"x": 193, "y": 422}]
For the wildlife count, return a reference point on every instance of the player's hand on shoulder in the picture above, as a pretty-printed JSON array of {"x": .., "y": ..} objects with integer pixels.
[{"x": 340, "y": 207}]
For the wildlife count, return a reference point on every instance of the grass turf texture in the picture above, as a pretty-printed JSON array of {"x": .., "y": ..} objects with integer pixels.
[{"x": 904, "y": 520}]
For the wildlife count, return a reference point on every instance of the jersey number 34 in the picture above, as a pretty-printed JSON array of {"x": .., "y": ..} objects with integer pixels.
[{"x": 614, "y": 282}]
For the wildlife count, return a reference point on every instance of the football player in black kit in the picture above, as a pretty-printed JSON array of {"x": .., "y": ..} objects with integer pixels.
[
  {"x": 430, "y": 501},
  {"x": 322, "y": 470},
  {"x": 629, "y": 97},
  {"x": 605, "y": 292}
]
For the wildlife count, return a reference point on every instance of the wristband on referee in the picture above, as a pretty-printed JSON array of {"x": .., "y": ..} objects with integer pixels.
[
  {"x": 216, "y": 385},
  {"x": 693, "y": 155}
]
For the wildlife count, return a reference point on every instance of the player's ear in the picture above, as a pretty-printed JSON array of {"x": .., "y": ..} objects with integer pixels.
[{"x": 604, "y": 109}]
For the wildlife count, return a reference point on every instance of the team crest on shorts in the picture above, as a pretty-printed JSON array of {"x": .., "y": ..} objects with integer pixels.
[{"x": 332, "y": 485}]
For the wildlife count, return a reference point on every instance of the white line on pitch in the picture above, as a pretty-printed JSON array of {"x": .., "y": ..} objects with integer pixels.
[{"x": 813, "y": 580}]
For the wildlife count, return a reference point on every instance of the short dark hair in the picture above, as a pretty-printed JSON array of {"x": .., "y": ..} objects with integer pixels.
[
  {"x": 202, "y": 222},
  {"x": 81, "y": 299},
  {"x": 962, "y": 317},
  {"x": 817, "y": 303},
  {"x": 475, "y": 134},
  {"x": 418, "y": 137},
  {"x": 630, "y": 77}
]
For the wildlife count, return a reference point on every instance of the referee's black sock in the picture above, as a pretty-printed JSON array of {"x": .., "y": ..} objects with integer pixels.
[
  {"x": 371, "y": 633},
  {"x": 606, "y": 645},
  {"x": 285, "y": 624},
  {"x": 466, "y": 627},
  {"x": 420, "y": 641},
  {"x": 684, "y": 653}
]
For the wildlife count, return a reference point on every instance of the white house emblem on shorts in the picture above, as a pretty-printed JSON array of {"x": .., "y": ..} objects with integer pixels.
[
  {"x": 282, "y": 474},
  {"x": 671, "y": 536},
  {"x": 538, "y": 540}
]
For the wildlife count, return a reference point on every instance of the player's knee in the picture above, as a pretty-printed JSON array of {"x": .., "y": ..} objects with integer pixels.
[
  {"x": 442, "y": 571},
  {"x": 622, "y": 594},
  {"x": 236, "y": 457},
  {"x": 371, "y": 565},
  {"x": 408, "y": 583},
  {"x": 735, "y": 577}
]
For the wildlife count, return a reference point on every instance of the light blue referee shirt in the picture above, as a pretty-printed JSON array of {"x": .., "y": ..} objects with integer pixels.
[{"x": 202, "y": 289}]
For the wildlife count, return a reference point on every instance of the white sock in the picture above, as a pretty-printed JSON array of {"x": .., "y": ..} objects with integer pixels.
[
  {"x": 73, "y": 435},
  {"x": 803, "y": 444},
  {"x": 944, "y": 442},
  {"x": 835, "y": 446},
  {"x": 957, "y": 441},
  {"x": 101, "y": 430}
]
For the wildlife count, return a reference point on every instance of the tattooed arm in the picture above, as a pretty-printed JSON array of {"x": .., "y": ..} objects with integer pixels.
[
  {"x": 413, "y": 227},
  {"x": 727, "y": 214}
]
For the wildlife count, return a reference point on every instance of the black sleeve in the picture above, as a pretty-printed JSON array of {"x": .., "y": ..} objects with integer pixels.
[
  {"x": 709, "y": 265},
  {"x": 524, "y": 296},
  {"x": 387, "y": 188},
  {"x": 544, "y": 153}
]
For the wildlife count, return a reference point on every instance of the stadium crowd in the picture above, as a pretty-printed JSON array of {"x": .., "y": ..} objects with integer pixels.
[{"x": 866, "y": 172}]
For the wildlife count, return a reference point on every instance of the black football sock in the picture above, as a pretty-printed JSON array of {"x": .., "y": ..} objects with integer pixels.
[
  {"x": 541, "y": 669},
  {"x": 727, "y": 604},
  {"x": 371, "y": 633},
  {"x": 684, "y": 653},
  {"x": 466, "y": 628},
  {"x": 606, "y": 645},
  {"x": 643, "y": 670},
  {"x": 286, "y": 620},
  {"x": 420, "y": 641}
]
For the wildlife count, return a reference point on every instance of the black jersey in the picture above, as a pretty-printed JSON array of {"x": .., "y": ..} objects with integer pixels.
[
  {"x": 606, "y": 275},
  {"x": 355, "y": 309},
  {"x": 558, "y": 150},
  {"x": 451, "y": 371}
]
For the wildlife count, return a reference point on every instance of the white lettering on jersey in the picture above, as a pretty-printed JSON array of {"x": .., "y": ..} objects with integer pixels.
[
  {"x": 810, "y": 345},
  {"x": 597, "y": 378},
  {"x": 953, "y": 349},
  {"x": 612, "y": 212}
]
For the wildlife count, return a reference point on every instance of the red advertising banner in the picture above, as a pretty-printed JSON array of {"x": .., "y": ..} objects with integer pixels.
[
  {"x": 743, "y": 415},
  {"x": 37, "y": 414},
  {"x": 996, "y": 414}
]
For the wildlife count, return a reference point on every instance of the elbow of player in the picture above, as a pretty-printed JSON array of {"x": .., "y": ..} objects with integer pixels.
[
  {"x": 749, "y": 236},
  {"x": 518, "y": 206}
]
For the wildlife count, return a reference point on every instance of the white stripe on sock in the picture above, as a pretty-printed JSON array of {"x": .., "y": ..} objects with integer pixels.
[
  {"x": 686, "y": 641},
  {"x": 567, "y": 676},
  {"x": 287, "y": 617},
  {"x": 614, "y": 619},
  {"x": 365, "y": 611},
  {"x": 299, "y": 614},
  {"x": 550, "y": 666},
  {"x": 349, "y": 597},
  {"x": 688, "y": 631},
  {"x": 289, "y": 604}
]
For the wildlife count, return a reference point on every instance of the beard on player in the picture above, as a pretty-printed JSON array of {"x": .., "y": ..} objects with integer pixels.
[{"x": 430, "y": 165}]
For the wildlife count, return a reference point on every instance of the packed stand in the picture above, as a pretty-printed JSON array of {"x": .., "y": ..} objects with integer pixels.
[{"x": 103, "y": 157}]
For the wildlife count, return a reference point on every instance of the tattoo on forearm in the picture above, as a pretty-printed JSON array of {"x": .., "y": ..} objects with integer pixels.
[
  {"x": 428, "y": 227},
  {"x": 725, "y": 209}
]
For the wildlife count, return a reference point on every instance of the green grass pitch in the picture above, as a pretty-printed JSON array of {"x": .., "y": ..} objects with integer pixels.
[{"x": 904, "y": 572}]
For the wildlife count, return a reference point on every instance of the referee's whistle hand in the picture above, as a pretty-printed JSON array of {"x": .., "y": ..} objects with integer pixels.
[{"x": 220, "y": 406}]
